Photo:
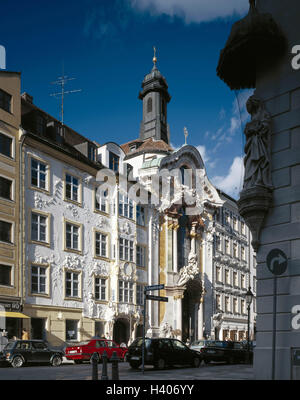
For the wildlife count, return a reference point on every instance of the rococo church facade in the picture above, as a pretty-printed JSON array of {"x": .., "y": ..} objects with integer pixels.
[{"x": 86, "y": 226}]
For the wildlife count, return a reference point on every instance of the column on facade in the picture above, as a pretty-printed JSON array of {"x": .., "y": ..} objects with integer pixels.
[
  {"x": 200, "y": 319},
  {"x": 175, "y": 249}
]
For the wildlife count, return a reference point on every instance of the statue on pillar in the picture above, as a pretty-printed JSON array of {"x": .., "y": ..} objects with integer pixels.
[{"x": 190, "y": 271}]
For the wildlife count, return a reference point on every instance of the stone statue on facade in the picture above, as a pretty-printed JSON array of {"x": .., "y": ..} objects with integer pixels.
[
  {"x": 257, "y": 158},
  {"x": 256, "y": 197},
  {"x": 190, "y": 271}
]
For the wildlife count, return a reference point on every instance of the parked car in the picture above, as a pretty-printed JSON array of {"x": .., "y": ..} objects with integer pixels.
[
  {"x": 161, "y": 352},
  {"x": 227, "y": 351},
  {"x": 83, "y": 351},
  {"x": 199, "y": 344},
  {"x": 19, "y": 352}
]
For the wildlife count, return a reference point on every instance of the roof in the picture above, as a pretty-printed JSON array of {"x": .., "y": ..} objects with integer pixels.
[{"x": 145, "y": 146}]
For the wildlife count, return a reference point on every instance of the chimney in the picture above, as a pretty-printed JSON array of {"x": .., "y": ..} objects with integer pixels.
[{"x": 27, "y": 97}]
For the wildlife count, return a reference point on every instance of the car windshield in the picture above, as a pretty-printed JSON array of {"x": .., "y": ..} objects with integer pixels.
[
  {"x": 138, "y": 343},
  {"x": 83, "y": 343},
  {"x": 9, "y": 346},
  {"x": 198, "y": 343}
]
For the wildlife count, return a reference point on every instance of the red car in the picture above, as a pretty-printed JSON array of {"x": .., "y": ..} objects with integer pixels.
[{"x": 83, "y": 351}]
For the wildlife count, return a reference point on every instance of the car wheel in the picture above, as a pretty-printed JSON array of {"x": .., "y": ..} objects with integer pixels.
[
  {"x": 56, "y": 361},
  {"x": 17, "y": 362},
  {"x": 160, "y": 364},
  {"x": 196, "y": 362},
  {"x": 97, "y": 358},
  {"x": 134, "y": 365}
]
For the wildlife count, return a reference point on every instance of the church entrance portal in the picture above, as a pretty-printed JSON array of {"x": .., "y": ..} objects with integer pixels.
[{"x": 121, "y": 331}]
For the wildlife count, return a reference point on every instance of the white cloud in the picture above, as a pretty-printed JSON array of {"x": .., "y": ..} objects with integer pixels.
[
  {"x": 193, "y": 10},
  {"x": 232, "y": 182},
  {"x": 202, "y": 150}
]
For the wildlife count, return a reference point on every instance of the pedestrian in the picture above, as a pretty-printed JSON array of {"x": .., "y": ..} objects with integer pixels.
[
  {"x": 25, "y": 335},
  {"x": 3, "y": 340},
  {"x": 188, "y": 342}
]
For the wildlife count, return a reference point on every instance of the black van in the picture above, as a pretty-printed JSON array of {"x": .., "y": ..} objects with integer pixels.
[{"x": 162, "y": 352}]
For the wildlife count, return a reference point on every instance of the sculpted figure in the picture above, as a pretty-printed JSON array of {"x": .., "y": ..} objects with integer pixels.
[
  {"x": 257, "y": 159},
  {"x": 190, "y": 271}
]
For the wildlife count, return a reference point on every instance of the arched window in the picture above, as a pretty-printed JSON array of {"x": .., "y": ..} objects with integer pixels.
[{"x": 149, "y": 105}]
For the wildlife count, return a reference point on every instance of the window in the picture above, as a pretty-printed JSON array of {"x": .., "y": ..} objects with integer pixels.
[
  {"x": 218, "y": 243},
  {"x": 5, "y": 232},
  {"x": 91, "y": 152},
  {"x": 101, "y": 200},
  {"x": 149, "y": 105},
  {"x": 235, "y": 279},
  {"x": 243, "y": 281},
  {"x": 72, "y": 236},
  {"x": 5, "y": 275},
  {"x": 235, "y": 250},
  {"x": 38, "y": 174},
  {"x": 40, "y": 125},
  {"x": 218, "y": 274},
  {"x": 243, "y": 253},
  {"x": 71, "y": 329},
  {"x": 243, "y": 306},
  {"x": 100, "y": 289},
  {"x": 72, "y": 188},
  {"x": 5, "y": 101},
  {"x": 126, "y": 249},
  {"x": 140, "y": 215},
  {"x": 38, "y": 227},
  {"x": 139, "y": 295},
  {"x": 235, "y": 223},
  {"x": 125, "y": 206},
  {"x": 227, "y": 304},
  {"x": 100, "y": 244},
  {"x": 38, "y": 279},
  {"x": 114, "y": 162},
  {"x": 227, "y": 247},
  {"x": 39, "y": 346},
  {"x": 6, "y": 145},
  {"x": 227, "y": 277},
  {"x": 72, "y": 284},
  {"x": 125, "y": 292},
  {"x": 5, "y": 188},
  {"x": 140, "y": 256},
  {"x": 235, "y": 306},
  {"x": 227, "y": 218},
  {"x": 243, "y": 228},
  {"x": 218, "y": 302}
]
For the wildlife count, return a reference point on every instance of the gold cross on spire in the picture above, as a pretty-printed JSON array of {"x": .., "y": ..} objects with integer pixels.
[{"x": 154, "y": 57}]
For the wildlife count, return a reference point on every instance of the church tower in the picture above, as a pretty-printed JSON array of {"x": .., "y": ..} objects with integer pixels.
[{"x": 155, "y": 98}]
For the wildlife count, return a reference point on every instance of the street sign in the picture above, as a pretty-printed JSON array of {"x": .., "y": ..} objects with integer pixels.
[
  {"x": 156, "y": 298},
  {"x": 154, "y": 287},
  {"x": 277, "y": 262}
]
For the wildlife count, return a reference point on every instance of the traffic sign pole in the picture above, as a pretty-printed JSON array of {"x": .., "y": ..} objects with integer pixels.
[
  {"x": 144, "y": 323},
  {"x": 277, "y": 264},
  {"x": 274, "y": 328}
]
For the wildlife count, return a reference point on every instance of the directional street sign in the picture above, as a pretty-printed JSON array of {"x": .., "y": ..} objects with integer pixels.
[
  {"x": 277, "y": 262},
  {"x": 157, "y": 298},
  {"x": 154, "y": 287}
]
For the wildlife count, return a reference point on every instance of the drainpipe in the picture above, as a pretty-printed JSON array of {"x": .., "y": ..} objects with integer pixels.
[{"x": 21, "y": 210}]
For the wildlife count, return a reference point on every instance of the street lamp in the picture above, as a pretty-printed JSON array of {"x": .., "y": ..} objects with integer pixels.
[{"x": 249, "y": 298}]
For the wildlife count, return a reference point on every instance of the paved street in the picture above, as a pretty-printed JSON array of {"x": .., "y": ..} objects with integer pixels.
[{"x": 70, "y": 371}]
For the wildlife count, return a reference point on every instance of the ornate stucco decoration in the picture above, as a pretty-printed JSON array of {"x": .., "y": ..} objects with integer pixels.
[
  {"x": 166, "y": 330},
  {"x": 40, "y": 203},
  {"x": 256, "y": 196}
]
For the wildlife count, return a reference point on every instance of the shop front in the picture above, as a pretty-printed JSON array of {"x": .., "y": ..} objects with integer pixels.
[{"x": 11, "y": 318}]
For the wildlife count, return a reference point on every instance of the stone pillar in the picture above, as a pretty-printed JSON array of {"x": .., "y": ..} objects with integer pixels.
[
  {"x": 175, "y": 249},
  {"x": 200, "y": 319}
]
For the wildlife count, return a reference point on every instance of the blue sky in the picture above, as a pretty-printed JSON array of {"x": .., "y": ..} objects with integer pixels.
[{"x": 107, "y": 46}]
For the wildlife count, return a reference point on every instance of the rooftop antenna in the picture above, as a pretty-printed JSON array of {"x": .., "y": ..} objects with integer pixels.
[{"x": 61, "y": 81}]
